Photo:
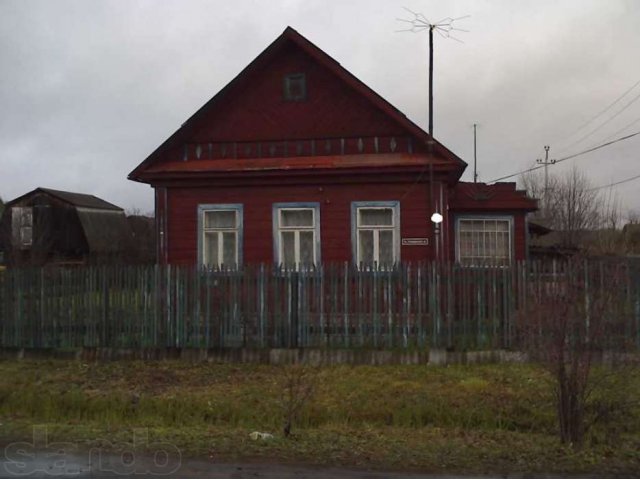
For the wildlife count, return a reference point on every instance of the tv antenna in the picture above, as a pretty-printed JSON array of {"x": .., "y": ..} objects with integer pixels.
[{"x": 444, "y": 27}]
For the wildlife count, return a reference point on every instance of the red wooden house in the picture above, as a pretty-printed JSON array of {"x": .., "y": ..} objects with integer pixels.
[{"x": 296, "y": 161}]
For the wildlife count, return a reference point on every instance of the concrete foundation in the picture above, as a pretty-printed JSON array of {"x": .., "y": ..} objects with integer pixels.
[{"x": 271, "y": 356}]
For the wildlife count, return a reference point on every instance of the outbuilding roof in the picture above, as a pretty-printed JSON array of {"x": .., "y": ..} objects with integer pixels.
[{"x": 72, "y": 198}]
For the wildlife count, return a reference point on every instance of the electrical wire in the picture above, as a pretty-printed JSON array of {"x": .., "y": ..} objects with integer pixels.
[
  {"x": 614, "y": 134},
  {"x": 614, "y": 183},
  {"x": 584, "y": 137},
  {"x": 563, "y": 159},
  {"x": 603, "y": 111}
]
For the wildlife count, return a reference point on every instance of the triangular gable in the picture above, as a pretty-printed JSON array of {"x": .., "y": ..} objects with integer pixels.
[{"x": 231, "y": 114}]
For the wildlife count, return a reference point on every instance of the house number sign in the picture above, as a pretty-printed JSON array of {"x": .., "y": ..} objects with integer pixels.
[{"x": 415, "y": 242}]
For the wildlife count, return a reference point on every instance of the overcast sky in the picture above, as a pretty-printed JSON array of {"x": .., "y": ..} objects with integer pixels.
[{"x": 89, "y": 88}]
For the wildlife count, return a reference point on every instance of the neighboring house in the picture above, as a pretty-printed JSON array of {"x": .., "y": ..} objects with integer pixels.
[
  {"x": 596, "y": 243},
  {"x": 50, "y": 226},
  {"x": 296, "y": 161}
]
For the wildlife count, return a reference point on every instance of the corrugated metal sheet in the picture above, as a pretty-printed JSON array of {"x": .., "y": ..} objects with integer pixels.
[{"x": 106, "y": 231}]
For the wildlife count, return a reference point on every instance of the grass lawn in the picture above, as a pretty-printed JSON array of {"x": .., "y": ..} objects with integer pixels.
[{"x": 457, "y": 420}]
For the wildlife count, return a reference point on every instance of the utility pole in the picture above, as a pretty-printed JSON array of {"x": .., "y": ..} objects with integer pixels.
[
  {"x": 475, "y": 156},
  {"x": 546, "y": 162}
]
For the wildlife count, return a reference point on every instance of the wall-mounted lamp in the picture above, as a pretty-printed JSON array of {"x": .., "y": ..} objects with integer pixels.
[{"x": 436, "y": 218}]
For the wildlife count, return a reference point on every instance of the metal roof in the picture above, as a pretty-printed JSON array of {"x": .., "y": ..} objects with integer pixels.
[
  {"x": 72, "y": 198},
  {"x": 106, "y": 231},
  {"x": 80, "y": 199}
]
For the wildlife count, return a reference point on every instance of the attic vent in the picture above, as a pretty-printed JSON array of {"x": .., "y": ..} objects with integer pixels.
[{"x": 295, "y": 87}]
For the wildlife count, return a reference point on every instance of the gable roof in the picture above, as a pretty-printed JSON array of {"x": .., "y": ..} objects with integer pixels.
[
  {"x": 72, "y": 198},
  {"x": 291, "y": 36}
]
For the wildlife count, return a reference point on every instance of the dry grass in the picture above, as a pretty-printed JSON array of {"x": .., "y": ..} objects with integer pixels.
[{"x": 480, "y": 420}]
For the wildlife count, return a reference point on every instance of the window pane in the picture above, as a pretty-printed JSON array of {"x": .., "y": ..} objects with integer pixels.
[
  {"x": 229, "y": 248},
  {"x": 484, "y": 242},
  {"x": 220, "y": 219},
  {"x": 491, "y": 245},
  {"x": 211, "y": 248},
  {"x": 306, "y": 248},
  {"x": 288, "y": 248},
  {"x": 465, "y": 243},
  {"x": 27, "y": 216},
  {"x": 376, "y": 216},
  {"x": 502, "y": 247},
  {"x": 26, "y": 235},
  {"x": 385, "y": 247},
  {"x": 297, "y": 218},
  {"x": 365, "y": 246}
]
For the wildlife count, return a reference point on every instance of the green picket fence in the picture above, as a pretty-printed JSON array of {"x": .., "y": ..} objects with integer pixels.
[{"x": 409, "y": 306}]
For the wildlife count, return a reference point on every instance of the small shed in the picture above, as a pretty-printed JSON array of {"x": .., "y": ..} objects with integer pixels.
[{"x": 51, "y": 226}]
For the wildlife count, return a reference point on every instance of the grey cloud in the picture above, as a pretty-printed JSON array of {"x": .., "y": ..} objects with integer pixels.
[{"x": 89, "y": 89}]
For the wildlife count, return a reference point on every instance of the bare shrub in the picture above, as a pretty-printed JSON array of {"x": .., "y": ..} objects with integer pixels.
[
  {"x": 575, "y": 316},
  {"x": 298, "y": 386}
]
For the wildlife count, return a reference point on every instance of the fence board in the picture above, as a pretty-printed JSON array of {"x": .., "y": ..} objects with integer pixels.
[{"x": 335, "y": 305}]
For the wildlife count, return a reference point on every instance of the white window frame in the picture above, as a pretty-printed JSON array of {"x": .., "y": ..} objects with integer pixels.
[
  {"x": 278, "y": 230},
  {"x": 486, "y": 218},
  {"x": 202, "y": 231},
  {"x": 394, "y": 206}
]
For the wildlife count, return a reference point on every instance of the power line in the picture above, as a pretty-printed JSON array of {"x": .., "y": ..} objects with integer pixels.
[
  {"x": 605, "y": 110},
  {"x": 589, "y": 150},
  {"x": 614, "y": 183},
  {"x": 630, "y": 124},
  {"x": 633, "y": 100}
]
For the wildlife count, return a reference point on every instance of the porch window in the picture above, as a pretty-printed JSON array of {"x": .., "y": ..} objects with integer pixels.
[
  {"x": 220, "y": 235},
  {"x": 296, "y": 234},
  {"x": 484, "y": 241},
  {"x": 375, "y": 232}
]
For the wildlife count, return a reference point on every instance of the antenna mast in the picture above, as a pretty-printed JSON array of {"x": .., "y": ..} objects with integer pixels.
[
  {"x": 444, "y": 28},
  {"x": 475, "y": 155}
]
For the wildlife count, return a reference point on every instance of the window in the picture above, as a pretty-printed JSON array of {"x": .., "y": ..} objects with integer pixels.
[
  {"x": 297, "y": 234},
  {"x": 22, "y": 226},
  {"x": 375, "y": 233},
  {"x": 484, "y": 241},
  {"x": 295, "y": 87},
  {"x": 220, "y": 235}
]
